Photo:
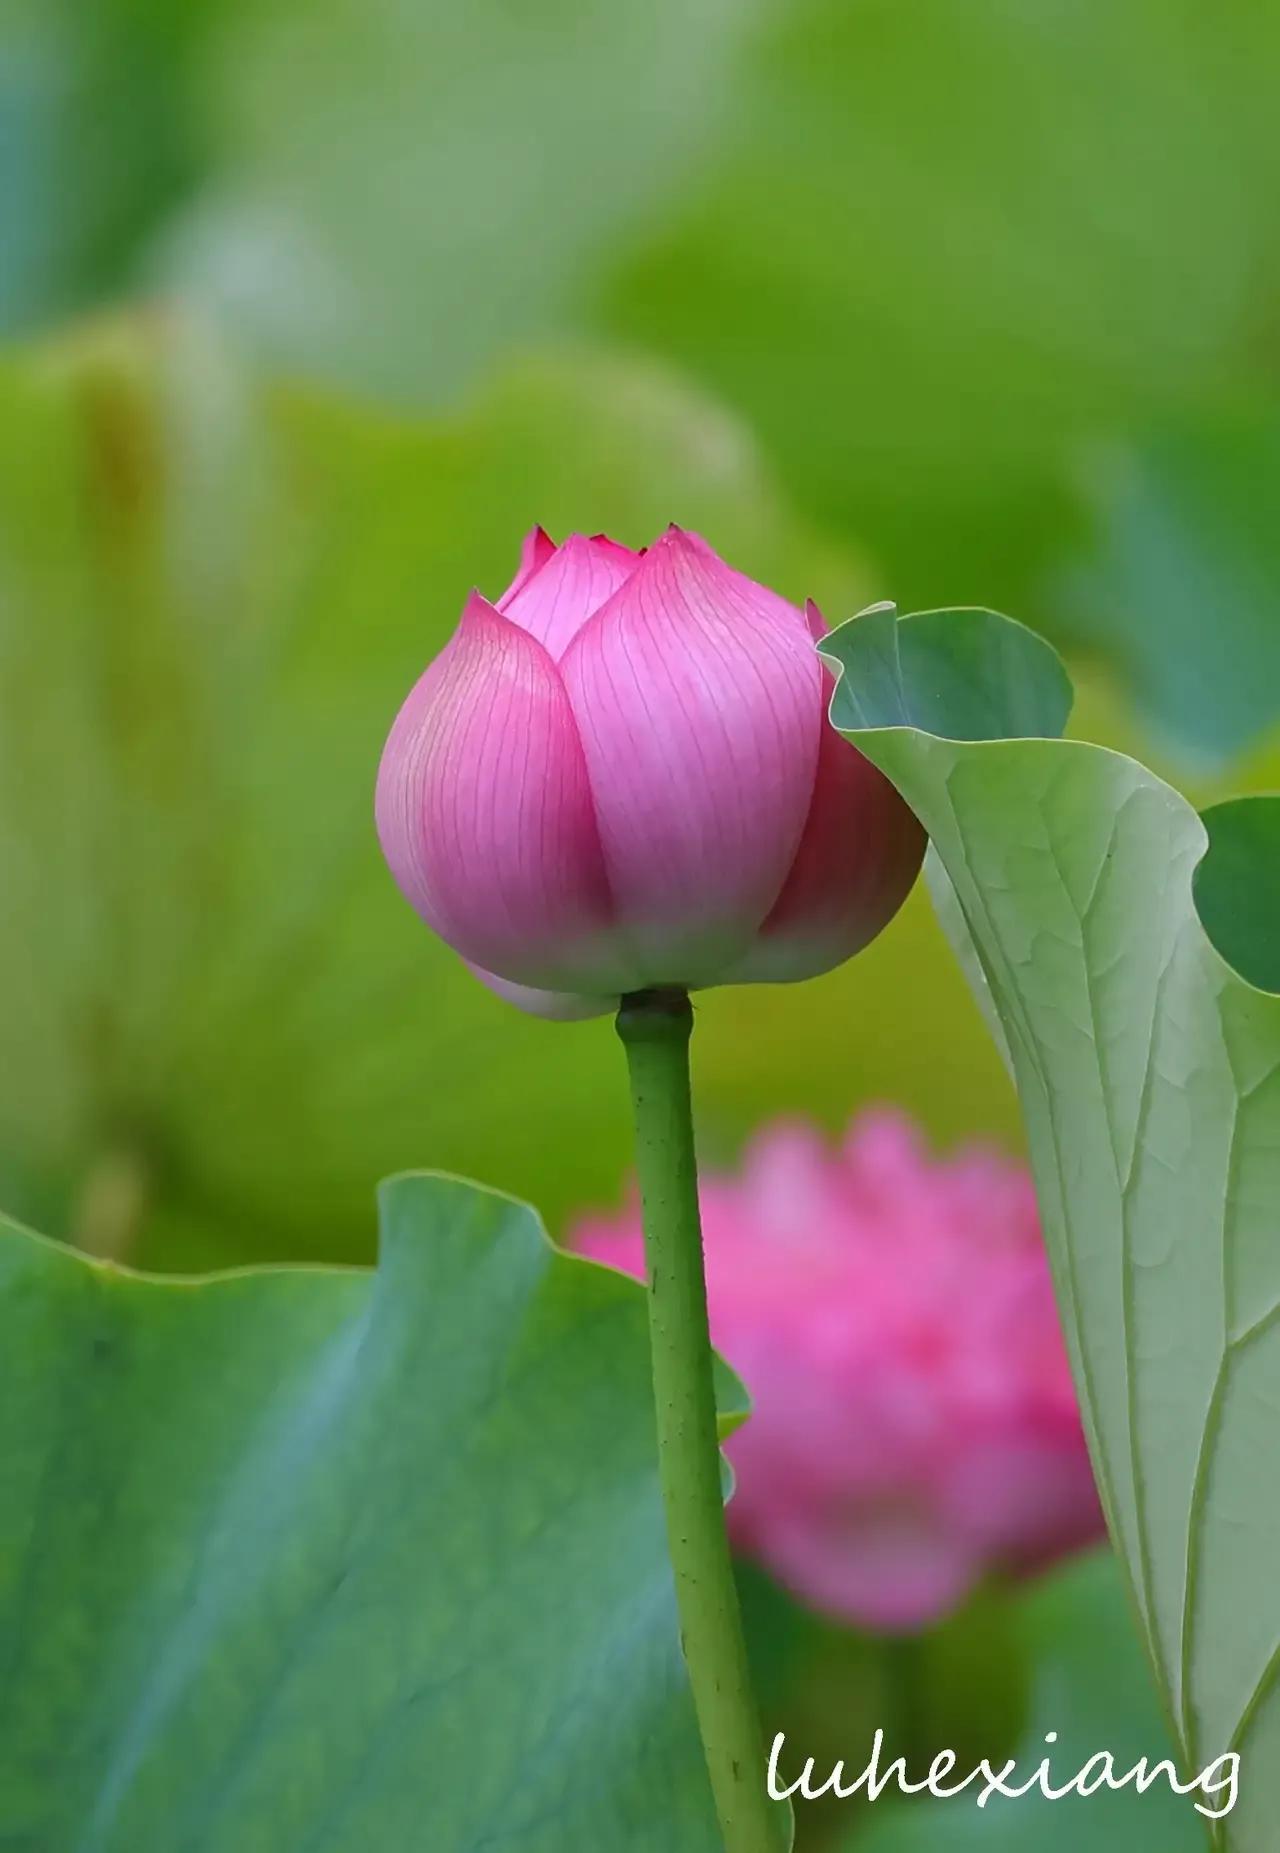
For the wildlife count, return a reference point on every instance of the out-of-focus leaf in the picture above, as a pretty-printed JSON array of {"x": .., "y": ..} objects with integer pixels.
[
  {"x": 1092, "y": 1687},
  {"x": 398, "y": 192},
  {"x": 928, "y": 250},
  {"x": 1182, "y": 582},
  {"x": 100, "y": 139},
  {"x": 931, "y": 252},
  {"x": 1237, "y": 887},
  {"x": 1149, "y": 1077},
  {"x": 324, "y": 1559},
  {"x": 388, "y": 193},
  {"x": 222, "y": 1020},
  {"x": 941, "y": 243}
]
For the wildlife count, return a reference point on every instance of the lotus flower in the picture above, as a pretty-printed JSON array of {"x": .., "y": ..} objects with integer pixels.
[
  {"x": 914, "y": 1425},
  {"x": 621, "y": 776}
]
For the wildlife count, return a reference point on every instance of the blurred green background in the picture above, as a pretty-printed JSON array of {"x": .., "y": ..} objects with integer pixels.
[
  {"x": 314, "y": 310},
  {"x": 311, "y": 311}
]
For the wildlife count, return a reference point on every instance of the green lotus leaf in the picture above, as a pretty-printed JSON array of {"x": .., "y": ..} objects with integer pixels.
[
  {"x": 1237, "y": 887},
  {"x": 304, "y": 1560},
  {"x": 1148, "y": 1070}
]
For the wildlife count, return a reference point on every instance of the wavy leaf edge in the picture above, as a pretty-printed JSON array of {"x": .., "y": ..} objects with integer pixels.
[{"x": 841, "y": 694}]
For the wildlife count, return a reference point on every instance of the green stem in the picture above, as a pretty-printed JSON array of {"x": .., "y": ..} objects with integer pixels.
[
  {"x": 905, "y": 1693},
  {"x": 655, "y": 1027}
]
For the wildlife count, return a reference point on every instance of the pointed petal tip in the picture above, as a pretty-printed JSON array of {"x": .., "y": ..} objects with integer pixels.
[
  {"x": 618, "y": 548},
  {"x": 486, "y": 626},
  {"x": 679, "y": 549},
  {"x": 535, "y": 550},
  {"x": 601, "y": 544},
  {"x": 579, "y": 576},
  {"x": 479, "y": 609}
]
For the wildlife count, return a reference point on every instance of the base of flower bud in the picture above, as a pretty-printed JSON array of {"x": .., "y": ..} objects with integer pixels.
[{"x": 657, "y": 1015}]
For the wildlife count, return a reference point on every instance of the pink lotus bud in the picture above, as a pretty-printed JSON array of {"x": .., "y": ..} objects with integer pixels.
[
  {"x": 915, "y": 1426},
  {"x": 621, "y": 775}
]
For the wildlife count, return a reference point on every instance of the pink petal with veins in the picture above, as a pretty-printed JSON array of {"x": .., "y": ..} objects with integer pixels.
[
  {"x": 535, "y": 550},
  {"x": 484, "y": 811},
  {"x": 554, "y": 594},
  {"x": 698, "y": 698},
  {"x": 857, "y": 861}
]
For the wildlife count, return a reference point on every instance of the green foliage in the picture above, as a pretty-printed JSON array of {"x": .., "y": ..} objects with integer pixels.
[
  {"x": 937, "y": 254},
  {"x": 1237, "y": 887},
  {"x": 485, "y": 162},
  {"x": 1181, "y": 581},
  {"x": 1149, "y": 1077},
  {"x": 965, "y": 673},
  {"x": 353, "y": 185},
  {"x": 215, "y": 596},
  {"x": 104, "y": 140},
  {"x": 1091, "y": 1686},
  {"x": 327, "y": 1559},
  {"x": 940, "y": 247}
]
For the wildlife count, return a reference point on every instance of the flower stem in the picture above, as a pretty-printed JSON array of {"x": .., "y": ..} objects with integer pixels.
[
  {"x": 905, "y": 1694},
  {"x": 655, "y": 1028}
]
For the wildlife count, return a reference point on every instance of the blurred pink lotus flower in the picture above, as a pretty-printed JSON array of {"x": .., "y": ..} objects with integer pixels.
[
  {"x": 914, "y": 1424},
  {"x": 621, "y": 776}
]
